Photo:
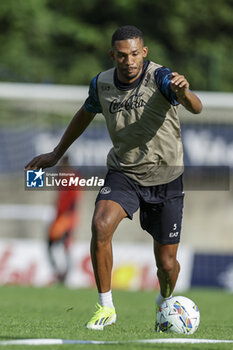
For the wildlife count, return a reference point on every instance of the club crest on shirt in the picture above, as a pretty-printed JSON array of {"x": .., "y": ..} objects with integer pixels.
[
  {"x": 132, "y": 102},
  {"x": 105, "y": 190}
]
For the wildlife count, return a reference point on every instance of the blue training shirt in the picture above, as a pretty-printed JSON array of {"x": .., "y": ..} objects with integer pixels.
[{"x": 163, "y": 77}]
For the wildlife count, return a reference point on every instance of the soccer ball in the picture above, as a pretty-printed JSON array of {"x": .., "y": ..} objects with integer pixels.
[{"x": 178, "y": 315}]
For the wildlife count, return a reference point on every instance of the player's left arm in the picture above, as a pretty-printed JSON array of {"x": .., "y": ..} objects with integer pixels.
[{"x": 180, "y": 86}]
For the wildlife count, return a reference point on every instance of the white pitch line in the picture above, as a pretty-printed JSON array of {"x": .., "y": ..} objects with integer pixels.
[
  {"x": 184, "y": 341},
  {"x": 31, "y": 342},
  {"x": 100, "y": 342}
]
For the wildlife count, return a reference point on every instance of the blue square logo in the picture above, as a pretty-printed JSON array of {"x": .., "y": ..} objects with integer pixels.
[{"x": 35, "y": 178}]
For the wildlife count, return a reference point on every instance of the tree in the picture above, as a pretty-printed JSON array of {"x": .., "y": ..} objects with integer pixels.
[{"x": 68, "y": 41}]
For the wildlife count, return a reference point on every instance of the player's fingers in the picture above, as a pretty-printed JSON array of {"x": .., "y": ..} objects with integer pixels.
[
  {"x": 33, "y": 164},
  {"x": 183, "y": 83},
  {"x": 32, "y": 167},
  {"x": 28, "y": 166},
  {"x": 176, "y": 80},
  {"x": 45, "y": 160}
]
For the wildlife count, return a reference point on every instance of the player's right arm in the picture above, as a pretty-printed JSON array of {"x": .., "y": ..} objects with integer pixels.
[{"x": 78, "y": 124}]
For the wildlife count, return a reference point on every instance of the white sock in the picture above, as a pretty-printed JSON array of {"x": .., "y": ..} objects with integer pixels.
[
  {"x": 105, "y": 299},
  {"x": 159, "y": 299}
]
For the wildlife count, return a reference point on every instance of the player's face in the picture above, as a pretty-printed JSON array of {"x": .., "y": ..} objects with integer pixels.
[{"x": 128, "y": 55}]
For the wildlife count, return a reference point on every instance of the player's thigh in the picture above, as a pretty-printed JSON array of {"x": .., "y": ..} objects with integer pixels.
[
  {"x": 120, "y": 189},
  {"x": 107, "y": 216},
  {"x": 116, "y": 200},
  {"x": 163, "y": 221}
]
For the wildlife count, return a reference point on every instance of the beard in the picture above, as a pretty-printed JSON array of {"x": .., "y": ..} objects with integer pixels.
[{"x": 131, "y": 73}]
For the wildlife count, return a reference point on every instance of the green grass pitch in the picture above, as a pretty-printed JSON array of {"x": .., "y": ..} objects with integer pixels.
[{"x": 58, "y": 312}]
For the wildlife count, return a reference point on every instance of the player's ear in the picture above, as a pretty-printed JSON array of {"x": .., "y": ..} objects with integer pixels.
[
  {"x": 145, "y": 51},
  {"x": 111, "y": 54}
]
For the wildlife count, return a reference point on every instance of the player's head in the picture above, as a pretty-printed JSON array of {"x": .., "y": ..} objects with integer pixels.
[
  {"x": 128, "y": 51},
  {"x": 127, "y": 32}
]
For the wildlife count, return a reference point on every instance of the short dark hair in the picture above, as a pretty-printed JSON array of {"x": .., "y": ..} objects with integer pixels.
[{"x": 126, "y": 32}]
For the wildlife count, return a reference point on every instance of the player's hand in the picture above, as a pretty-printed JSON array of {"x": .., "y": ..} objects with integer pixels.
[
  {"x": 45, "y": 160},
  {"x": 179, "y": 84}
]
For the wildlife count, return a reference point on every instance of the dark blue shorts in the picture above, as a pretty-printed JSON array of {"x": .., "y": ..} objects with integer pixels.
[{"x": 161, "y": 206}]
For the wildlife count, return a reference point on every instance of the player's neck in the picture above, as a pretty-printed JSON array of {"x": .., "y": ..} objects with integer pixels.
[{"x": 128, "y": 86}]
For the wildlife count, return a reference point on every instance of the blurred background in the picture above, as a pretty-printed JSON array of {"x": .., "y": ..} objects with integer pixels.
[{"x": 50, "y": 51}]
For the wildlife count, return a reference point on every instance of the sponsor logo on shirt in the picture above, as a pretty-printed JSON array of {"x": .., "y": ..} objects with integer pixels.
[{"x": 134, "y": 101}]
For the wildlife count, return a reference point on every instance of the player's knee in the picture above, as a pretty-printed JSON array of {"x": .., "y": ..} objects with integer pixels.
[
  {"x": 168, "y": 264},
  {"x": 101, "y": 230}
]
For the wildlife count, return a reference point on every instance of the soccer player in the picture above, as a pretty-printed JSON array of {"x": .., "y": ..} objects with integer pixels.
[{"x": 139, "y": 100}]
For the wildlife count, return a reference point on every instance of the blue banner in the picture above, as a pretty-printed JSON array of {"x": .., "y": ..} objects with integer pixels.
[
  {"x": 204, "y": 145},
  {"x": 212, "y": 270}
]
